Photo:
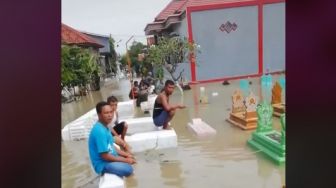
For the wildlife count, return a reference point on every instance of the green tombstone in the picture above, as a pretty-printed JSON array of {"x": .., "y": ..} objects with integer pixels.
[
  {"x": 265, "y": 138},
  {"x": 265, "y": 113}
]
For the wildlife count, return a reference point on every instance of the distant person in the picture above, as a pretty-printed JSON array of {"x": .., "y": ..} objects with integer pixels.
[
  {"x": 104, "y": 156},
  {"x": 143, "y": 87},
  {"x": 133, "y": 94},
  {"x": 163, "y": 111},
  {"x": 149, "y": 79},
  {"x": 143, "y": 92}
]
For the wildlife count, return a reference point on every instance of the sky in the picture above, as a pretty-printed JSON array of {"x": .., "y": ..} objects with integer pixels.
[{"x": 120, "y": 18}]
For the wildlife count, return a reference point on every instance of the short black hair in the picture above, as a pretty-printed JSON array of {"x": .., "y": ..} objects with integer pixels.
[
  {"x": 111, "y": 99},
  {"x": 100, "y": 106},
  {"x": 169, "y": 82}
]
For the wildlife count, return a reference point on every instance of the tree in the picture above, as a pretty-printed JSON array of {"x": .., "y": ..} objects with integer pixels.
[
  {"x": 113, "y": 54},
  {"x": 123, "y": 61},
  {"x": 135, "y": 49},
  {"x": 168, "y": 53},
  {"x": 78, "y": 67}
]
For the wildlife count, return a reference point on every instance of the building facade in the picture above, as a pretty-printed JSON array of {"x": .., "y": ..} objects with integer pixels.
[{"x": 237, "y": 38}]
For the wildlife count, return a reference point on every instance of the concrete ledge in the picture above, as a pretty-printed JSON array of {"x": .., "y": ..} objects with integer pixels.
[
  {"x": 81, "y": 127},
  {"x": 126, "y": 109},
  {"x": 137, "y": 125},
  {"x": 152, "y": 140},
  {"x": 77, "y": 130},
  {"x": 111, "y": 181}
]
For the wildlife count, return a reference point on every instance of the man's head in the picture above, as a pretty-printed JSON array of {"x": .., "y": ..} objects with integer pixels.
[
  {"x": 136, "y": 83},
  {"x": 113, "y": 102},
  {"x": 169, "y": 87},
  {"x": 104, "y": 112}
]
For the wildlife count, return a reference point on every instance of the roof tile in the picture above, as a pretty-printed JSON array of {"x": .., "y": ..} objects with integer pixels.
[{"x": 72, "y": 36}]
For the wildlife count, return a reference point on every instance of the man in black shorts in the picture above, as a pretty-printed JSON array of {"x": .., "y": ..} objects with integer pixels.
[
  {"x": 163, "y": 112},
  {"x": 118, "y": 129}
]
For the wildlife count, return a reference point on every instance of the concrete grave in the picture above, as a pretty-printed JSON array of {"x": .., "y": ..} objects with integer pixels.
[
  {"x": 81, "y": 127},
  {"x": 111, "y": 181},
  {"x": 200, "y": 128},
  {"x": 278, "y": 105},
  {"x": 269, "y": 141},
  {"x": 243, "y": 113},
  {"x": 158, "y": 139}
]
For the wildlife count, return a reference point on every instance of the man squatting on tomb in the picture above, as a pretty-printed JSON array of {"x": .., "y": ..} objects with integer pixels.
[{"x": 163, "y": 112}]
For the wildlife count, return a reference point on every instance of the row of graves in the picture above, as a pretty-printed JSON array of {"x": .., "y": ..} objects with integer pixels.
[
  {"x": 249, "y": 113},
  {"x": 142, "y": 134}
]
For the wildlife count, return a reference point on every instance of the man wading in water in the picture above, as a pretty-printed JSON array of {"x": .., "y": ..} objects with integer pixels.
[{"x": 163, "y": 111}]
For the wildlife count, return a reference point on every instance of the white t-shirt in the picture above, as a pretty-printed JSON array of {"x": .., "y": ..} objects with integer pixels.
[{"x": 113, "y": 122}]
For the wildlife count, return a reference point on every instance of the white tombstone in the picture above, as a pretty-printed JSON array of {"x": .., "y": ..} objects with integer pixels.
[
  {"x": 111, "y": 181},
  {"x": 137, "y": 125},
  {"x": 152, "y": 140},
  {"x": 200, "y": 128}
]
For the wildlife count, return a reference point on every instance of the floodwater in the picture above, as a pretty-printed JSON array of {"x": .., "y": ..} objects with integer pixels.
[{"x": 224, "y": 160}]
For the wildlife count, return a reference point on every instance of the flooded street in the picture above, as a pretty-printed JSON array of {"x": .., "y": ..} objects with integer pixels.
[{"x": 224, "y": 160}]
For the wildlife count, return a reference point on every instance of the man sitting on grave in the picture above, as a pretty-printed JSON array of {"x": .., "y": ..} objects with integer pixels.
[
  {"x": 163, "y": 112},
  {"x": 104, "y": 156},
  {"x": 118, "y": 129}
]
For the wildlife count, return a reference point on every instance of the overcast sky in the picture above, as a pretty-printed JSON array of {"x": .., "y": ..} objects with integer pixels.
[{"x": 121, "y": 18}]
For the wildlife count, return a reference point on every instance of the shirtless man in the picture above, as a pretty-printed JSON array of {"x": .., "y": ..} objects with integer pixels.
[{"x": 163, "y": 111}]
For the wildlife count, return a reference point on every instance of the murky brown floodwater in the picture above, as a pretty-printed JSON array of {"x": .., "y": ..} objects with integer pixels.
[{"x": 224, "y": 160}]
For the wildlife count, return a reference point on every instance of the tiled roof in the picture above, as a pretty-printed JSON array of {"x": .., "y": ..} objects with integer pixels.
[
  {"x": 177, "y": 6},
  {"x": 174, "y": 7},
  {"x": 72, "y": 36},
  {"x": 173, "y": 11}
]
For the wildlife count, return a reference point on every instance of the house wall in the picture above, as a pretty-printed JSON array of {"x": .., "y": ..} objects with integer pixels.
[
  {"x": 274, "y": 37},
  {"x": 226, "y": 54},
  {"x": 102, "y": 40},
  {"x": 181, "y": 29}
]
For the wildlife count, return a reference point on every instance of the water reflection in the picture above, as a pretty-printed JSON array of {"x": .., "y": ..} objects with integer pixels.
[{"x": 171, "y": 172}]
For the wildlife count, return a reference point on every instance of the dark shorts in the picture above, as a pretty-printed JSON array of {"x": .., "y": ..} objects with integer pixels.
[
  {"x": 160, "y": 119},
  {"x": 119, "y": 128}
]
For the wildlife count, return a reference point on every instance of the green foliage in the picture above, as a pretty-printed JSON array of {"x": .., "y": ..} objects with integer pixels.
[
  {"x": 78, "y": 66},
  {"x": 169, "y": 52},
  {"x": 135, "y": 49},
  {"x": 113, "y": 54},
  {"x": 123, "y": 61}
]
